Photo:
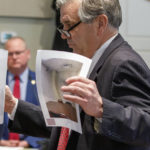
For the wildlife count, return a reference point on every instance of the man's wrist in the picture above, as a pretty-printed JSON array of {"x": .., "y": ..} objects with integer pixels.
[{"x": 99, "y": 112}]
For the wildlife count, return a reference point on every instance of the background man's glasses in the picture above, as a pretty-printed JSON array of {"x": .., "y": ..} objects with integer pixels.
[
  {"x": 16, "y": 53},
  {"x": 66, "y": 32}
]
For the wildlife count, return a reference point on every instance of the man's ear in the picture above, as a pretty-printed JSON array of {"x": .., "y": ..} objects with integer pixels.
[
  {"x": 29, "y": 54},
  {"x": 102, "y": 21}
]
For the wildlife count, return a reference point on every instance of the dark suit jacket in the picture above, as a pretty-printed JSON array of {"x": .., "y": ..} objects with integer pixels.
[
  {"x": 32, "y": 97},
  {"x": 1, "y": 130},
  {"x": 123, "y": 81}
]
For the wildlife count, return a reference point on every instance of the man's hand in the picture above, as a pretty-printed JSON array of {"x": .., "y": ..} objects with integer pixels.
[
  {"x": 9, "y": 143},
  {"x": 14, "y": 143},
  {"x": 84, "y": 92},
  {"x": 10, "y": 100},
  {"x": 23, "y": 144}
]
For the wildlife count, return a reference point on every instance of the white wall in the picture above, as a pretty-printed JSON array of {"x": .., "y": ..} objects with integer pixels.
[
  {"x": 38, "y": 31},
  {"x": 136, "y": 26}
]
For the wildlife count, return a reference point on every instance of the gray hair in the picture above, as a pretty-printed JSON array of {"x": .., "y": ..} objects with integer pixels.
[
  {"x": 90, "y": 9},
  {"x": 59, "y": 3}
]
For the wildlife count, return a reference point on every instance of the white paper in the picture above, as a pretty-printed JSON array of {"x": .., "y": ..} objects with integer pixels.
[
  {"x": 52, "y": 69},
  {"x": 3, "y": 70},
  {"x": 11, "y": 148}
]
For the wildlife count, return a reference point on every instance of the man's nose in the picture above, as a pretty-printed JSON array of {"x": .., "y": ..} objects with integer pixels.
[{"x": 14, "y": 55}]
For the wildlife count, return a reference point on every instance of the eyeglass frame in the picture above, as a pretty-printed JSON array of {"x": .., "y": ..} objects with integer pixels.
[
  {"x": 66, "y": 32},
  {"x": 16, "y": 53}
]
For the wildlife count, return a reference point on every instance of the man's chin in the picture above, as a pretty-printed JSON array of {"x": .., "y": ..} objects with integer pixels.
[
  {"x": 15, "y": 68},
  {"x": 73, "y": 48}
]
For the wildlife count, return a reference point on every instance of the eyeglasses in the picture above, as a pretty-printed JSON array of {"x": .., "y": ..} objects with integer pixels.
[
  {"x": 16, "y": 53},
  {"x": 66, "y": 32}
]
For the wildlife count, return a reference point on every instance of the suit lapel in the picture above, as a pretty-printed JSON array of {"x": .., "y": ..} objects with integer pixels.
[
  {"x": 31, "y": 94},
  {"x": 111, "y": 48},
  {"x": 7, "y": 78},
  {"x": 29, "y": 86},
  {"x": 55, "y": 133}
]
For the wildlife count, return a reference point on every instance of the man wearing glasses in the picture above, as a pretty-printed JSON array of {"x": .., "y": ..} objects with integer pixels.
[
  {"x": 18, "y": 57},
  {"x": 115, "y": 100}
]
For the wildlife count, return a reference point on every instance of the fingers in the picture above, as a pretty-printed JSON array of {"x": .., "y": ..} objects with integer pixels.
[
  {"x": 77, "y": 78},
  {"x": 10, "y": 100},
  {"x": 80, "y": 89},
  {"x": 8, "y": 93},
  {"x": 75, "y": 90},
  {"x": 80, "y": 86},
  {"x": 75, "y": 98},
  {"x": 84, "y": 92},
  {"x": 23, "y": 144}
]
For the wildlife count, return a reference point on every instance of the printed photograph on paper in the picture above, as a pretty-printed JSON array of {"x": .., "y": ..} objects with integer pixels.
[{"x": 52, "y": 69}]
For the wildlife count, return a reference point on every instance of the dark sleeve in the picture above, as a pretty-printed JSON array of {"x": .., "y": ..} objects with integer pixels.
[
  {"x": 29, "y": 120},
  {"x": 1, "y": 130},
  {"x": 126, "y": 117}
]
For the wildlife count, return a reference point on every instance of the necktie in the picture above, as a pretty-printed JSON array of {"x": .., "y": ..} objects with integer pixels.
[
  {"x": 16, "y": 90},
  {"x": 16, "y": 93},
  {"x": 63, "y": 139}
]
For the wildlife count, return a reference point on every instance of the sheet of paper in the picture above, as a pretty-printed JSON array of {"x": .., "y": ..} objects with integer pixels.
[
  {"x": 3, "y": 70},
  {"x": 52, "y": 69},
  {"x": 11, "y": 148}
]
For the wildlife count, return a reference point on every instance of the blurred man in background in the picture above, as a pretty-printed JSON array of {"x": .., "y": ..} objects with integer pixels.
[{"x": 21, "y": 81}]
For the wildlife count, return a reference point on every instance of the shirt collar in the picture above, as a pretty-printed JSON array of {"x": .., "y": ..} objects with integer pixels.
[
  {"x": 99, "y": 53},
  {"x": 101, "y": 50},
  {"x": 22, "y": 76}
]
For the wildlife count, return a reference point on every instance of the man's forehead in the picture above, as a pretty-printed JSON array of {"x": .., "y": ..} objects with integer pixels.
[
  {"x": 17, "y": 45},
  {"x": 69, "y": 12}
]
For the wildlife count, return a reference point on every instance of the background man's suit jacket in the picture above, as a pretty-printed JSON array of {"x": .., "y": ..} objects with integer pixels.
[
  {"x": 123, "y": 80},
  {"x": 32, "y": 97}
]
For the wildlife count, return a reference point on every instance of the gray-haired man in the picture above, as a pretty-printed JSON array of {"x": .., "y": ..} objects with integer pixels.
[{"x": 115, "y": 99}]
